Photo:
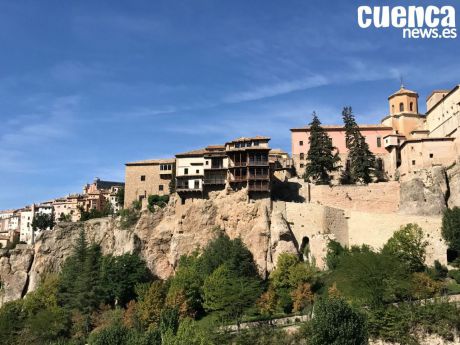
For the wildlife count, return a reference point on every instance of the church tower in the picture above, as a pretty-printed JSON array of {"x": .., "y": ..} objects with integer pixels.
[{"x": 403, "y": 101}]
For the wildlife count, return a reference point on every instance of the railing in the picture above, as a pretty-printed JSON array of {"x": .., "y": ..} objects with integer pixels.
[
  {"x": 259, "y": 176},
  {"x": 238, "y": 178},
  {"x": 258, "y": 163},
  {"x": 215, "y": 167},
  {"x": 187, "y": 189},
  {"x": 214, "y": 181},
  {"x": 238, "y": 164},
  {"x": 259, "y": 188}
]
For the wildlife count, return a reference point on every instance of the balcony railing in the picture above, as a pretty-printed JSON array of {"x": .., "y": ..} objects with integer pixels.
[
  {"x": 259, "y": 188},
  {"x": 238, "y": 164},
  {"x": 186, "y": 188},
  {"x": 210, "y": 181},
  {"x": 215, "y": 167},
  {"x": 258, "y": 163},
  {"x": 238, "y": 178},
  {"x": 259, "y": 176}
]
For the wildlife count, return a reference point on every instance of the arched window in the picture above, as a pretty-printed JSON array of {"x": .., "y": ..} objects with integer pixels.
[
  {"x": 401, "y": 106},
  {"x": 411, "y": 106}
]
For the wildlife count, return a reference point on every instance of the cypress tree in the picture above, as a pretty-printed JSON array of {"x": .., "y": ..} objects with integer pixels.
[
  {"x": 361, "y": 165},
  {"x": 321, "y": 157}
]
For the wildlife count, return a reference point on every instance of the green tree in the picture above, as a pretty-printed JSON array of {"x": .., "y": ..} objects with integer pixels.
[
  {"x": 114, "y": 335},
  {"x": 120, "y": 275},
  {"x": 334, "y": 253},
  {"x": 151, "y": 302},
  {"x": 322, "y": 160},
  {"x": 451, "y": 228},
  {"x": 43, "y": 221},
  {"x": 372, "y": 278},
  {"x": 229, "y": 294},
  {"x": 12, "y": 319},
  {"x": 120, "y": 196},
  {"x": 336, "y": 323},
  {"x": 409, "y": 246},
  {"x": 361, "y": 165}
]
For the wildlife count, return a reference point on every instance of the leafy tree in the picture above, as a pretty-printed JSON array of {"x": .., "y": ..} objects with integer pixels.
[
  {"x": 151, "y": 299},
  {"x": 114, "y": 335},
  {"x": 422, "y": 286},
  {"x": 267, "y": 302},
  {"x": 233, "y": 253},
  {"x": 65, "y": 217},
  {"x": 43, "y": 221},
  {"x": 362, "y": 163},
  {"x": 409, "y": 246},
  {"x": 120, "y": 196},
  {"x": 190, "y": 333},
  {"x": 336, "y": 323},
  {"x": 334, "y": 253},
  {"x": 120, "y": 274},
  {"x": 322, "y": 160},
  {"x": 302, "y": 297},
  {"x": 451, "y": 228},
  {"x": 12, "y": 319},
  {"x": 229, "y": 294},
  {"x": 46, "y": 325},
  {"x": 371, "y": 278}
]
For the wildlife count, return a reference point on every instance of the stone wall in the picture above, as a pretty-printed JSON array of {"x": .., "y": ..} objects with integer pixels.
[{"x": 375, "y": 197}]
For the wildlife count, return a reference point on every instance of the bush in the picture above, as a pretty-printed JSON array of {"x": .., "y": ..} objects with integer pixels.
[
  {"x": 455, "y": 274},
  {"x": 451, "y": 228},
  {"x": 336, "y": 323},
  {"x": 129, "y": 217}
]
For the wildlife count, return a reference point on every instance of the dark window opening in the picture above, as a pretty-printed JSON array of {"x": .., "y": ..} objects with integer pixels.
[
  {"x": 160, "y": 187},
  {"x": 431, "y": 155},
  {"x": 401, "y": 106},
  {"x": 142, "y": 177},
  {"x": 186, "y": 171},
  {"x": 301, "y": 143},
  {"x": 413, "y": 162},
  {"x": 301, "y": 156},
  {"x": 379, "y": 142},
  {"x": 411, "y": 106}
]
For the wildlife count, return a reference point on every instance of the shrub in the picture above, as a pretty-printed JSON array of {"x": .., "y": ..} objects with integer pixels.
[{"x": 336, "y": 323}]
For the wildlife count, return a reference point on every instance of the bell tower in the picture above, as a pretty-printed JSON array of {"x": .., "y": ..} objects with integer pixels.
[{"x": 403, "y": 101}]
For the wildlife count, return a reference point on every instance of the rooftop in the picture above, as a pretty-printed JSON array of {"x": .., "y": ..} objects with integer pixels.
[
  {"x": 403, "y": 91},
  {"x": 193, "y": 153},
  {"x": 153, "y": 161},
  {"x": 341, "y": 127},
  {"x": 242, "y": 139}
]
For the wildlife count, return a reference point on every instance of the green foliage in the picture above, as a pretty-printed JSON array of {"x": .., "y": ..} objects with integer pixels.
[
  {"x": 95, "y": 213},
  {"x": 120, "y": 196},
  {"x": 114, "y": 335},
  {"x": 322, "y": 160},
  {"x": 129, "y": 217},
  {"x": 151, "y": 299},
  {"x": 334, "y": 253},
  {"x": 120, "y": 274},
  {"x": 229, "y": 294},
  {"x": 336, "y": 323},
  {"x": 409, "y": 246},
  {"x": 371, "y": 278},
  {"x": 158, "y": 201},
  {"x": 451, "y": 228},
  {"x": 12, "y": 319},
  {"x": 404, "y": 322},
  {"x": 43, "y": 221},
  {"x": 438, "y": 271},
  {"x": 65, "y": 217},
  {"x": 455, "y": 274},
  {"x": 362, "y": 163}
]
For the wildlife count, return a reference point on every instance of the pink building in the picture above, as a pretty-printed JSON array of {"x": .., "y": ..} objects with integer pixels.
[{"x": 374, "y": 135}]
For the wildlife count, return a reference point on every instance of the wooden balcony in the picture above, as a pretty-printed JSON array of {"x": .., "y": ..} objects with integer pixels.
[
  {"x": 259, "y": 188},
  {"x": 238, "y": 164},
  {"x": 214, "y": 181},
  {"x": 238, "y": 179},
  {"x": 258, "y": 163},
  {"x": 259, "y": 177}
]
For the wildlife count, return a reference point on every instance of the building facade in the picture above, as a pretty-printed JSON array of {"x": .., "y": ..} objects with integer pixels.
[
  {"x": 405, "y": 141},
  {"x": 148, "y": 177}
]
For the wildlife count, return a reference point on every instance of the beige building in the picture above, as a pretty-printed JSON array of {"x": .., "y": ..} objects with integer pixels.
[
  {"x": 68, "y": 207},
  {"x": 26, "y": 233},
  {"x": 149, "y": 177}
]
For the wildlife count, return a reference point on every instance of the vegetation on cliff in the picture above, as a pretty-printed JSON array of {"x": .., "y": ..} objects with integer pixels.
[{"x": 113, "y": 300}]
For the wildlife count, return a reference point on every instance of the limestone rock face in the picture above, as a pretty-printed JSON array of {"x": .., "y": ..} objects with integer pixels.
[
  {"x": 425, "y": 194},
  {"x": 14, "y": 268},
  {"x": 453, "y": 176},
  {"x": 160, "y": 238},
  {"x": 282, "y": 239}
]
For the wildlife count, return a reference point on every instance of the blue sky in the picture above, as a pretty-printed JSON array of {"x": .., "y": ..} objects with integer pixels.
[{"x": 86, "y": 86}]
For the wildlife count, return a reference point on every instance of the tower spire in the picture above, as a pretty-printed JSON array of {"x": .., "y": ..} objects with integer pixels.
[{"x": 402, "y": 81}]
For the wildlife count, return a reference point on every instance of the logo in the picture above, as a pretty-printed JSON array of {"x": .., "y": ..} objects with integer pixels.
[{"x": 415, "y": 21}]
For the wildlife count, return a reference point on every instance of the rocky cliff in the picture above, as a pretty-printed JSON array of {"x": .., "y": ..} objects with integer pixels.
[{"x": 160, "y": 238}]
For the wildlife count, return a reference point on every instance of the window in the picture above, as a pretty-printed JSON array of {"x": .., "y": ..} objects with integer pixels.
[
  {"x": 207, "y": 162},
  {"x": 301, "y": 143},
  {"x": 160, "y": 187},
  {"x": 401, "y": 106},
  {"x": 301, "y": 165},
  {"x": 411, "y": 106},
  {"x": 413, "y": 162},
  {"x": 197, "y": 171},
  {"x": 431, "y": 155},
  {"x": 379, "y": 142},
  {"x": 301, "y": 156},
  {"x": 142, "y": 177},
  {"x": 185, "y": 171}
]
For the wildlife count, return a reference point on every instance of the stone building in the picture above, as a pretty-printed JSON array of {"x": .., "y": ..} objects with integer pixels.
[
  {"x": 405, "y": 141},
  {"x": 148, "y": 177}
]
